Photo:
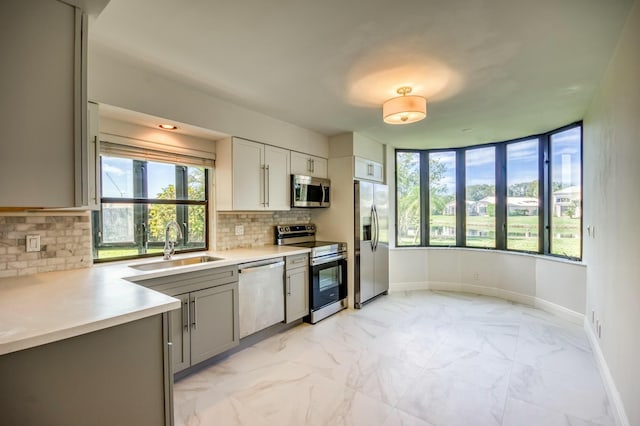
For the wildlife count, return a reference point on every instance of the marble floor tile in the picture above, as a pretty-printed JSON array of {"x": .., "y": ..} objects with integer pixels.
[
  {"x": 583, "y": 397},
  {"x": 496, "y": 339},
  {"x": 418, "y": 358},
  {"x": 444, "y": 399},
  {"x": 517, "y": 413},
  {"x": 400, "y": 418}
]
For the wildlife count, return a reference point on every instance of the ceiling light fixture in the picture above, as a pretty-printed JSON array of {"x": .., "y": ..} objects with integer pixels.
[
  {"x": 404, "y": 109},
  {"x": 167, "y": 127}
]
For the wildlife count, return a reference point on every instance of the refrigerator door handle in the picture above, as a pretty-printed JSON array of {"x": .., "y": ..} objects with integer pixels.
[
  {"x": 373, "y": 229},
  {"x": 375, "y": 211}
]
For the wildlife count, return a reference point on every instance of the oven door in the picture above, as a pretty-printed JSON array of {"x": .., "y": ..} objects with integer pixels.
[{"x": 328, "y": 283}]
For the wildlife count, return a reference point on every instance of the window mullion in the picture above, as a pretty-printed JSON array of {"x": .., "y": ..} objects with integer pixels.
[
  {"x": 182, "y": 191},
  {"x": 544, "y": 195},
  {"x": 461, "y": 199},
  {"x": 501, "y": 196},
  {"x": 425, "y": 207}
]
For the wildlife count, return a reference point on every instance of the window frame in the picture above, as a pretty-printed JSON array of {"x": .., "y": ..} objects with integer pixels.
[
  {"x": 545, "y": 194},
  {"x": 140, "y": 201}
]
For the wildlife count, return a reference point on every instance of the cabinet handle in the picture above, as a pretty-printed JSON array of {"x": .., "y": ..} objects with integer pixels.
[
  {"x": 268, "y": 181},
  {"x": 185, "y": 314},
  {"x": 369, "y": 169},
  {"x": 194, "y": 323},
  {"x": 308, "y": 164},
  {"x": 288, "y": 285},
  {"x": 264, "y": 187},
  {"x": 313, "y": 165}
]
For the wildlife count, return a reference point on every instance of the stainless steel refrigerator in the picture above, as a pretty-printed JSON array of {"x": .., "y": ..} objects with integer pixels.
[{"x": 371, "y": 241}]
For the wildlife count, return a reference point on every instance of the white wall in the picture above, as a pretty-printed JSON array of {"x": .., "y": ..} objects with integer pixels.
[
  {"x": 120, "y": 82},
  {"x": 612, "y": 206},
  {"x": 557, "y": 286}
]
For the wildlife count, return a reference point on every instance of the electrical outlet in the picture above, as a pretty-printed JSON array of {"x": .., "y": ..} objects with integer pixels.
[
  {"x": 476, "y": 276},
  {"x": 239, "y": 230},
  {"x": 32, "y": 243}
]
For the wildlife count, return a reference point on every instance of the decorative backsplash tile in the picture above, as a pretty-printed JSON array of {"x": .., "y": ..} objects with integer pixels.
[
  {"x": 258, "y": 227},
  {"x": 65, "y": 243}
]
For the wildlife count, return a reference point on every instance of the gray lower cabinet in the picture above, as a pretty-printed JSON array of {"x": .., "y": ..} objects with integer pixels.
[
  {"x": 207, "y": 322},
  {"x": 206, "y": 325},
  {"x": 116, "y": 376},
  {"x": 296, "y": 287}
]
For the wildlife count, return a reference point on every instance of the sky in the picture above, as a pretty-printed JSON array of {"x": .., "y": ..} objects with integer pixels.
[
  {"x": 522, "y": 161},
  {"x": 117, "y": 177}
]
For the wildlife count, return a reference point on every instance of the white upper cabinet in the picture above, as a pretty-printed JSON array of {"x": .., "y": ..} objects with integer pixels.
[
  {"x": 43, "y": 156},
  {"x": 308, "y": 165},
  {"x": 251, "y": 176},
  {"x": 367, "y": 169}
]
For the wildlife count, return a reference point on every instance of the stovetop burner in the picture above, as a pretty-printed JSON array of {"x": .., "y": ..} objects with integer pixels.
[{"x": 305, "y": 236}]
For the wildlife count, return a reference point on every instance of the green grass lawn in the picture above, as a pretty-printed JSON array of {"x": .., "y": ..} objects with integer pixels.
[{"x": 522, "y": 233}]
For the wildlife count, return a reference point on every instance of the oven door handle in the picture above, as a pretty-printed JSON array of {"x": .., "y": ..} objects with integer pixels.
[{"x": 322, "y": 261}]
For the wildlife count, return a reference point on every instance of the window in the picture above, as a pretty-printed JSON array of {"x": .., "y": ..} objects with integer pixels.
[
  {"x": 566, "y": 192},
  {"x": 442, "y": 198},
  {"x": 139, "y": 198},
  {"x": 501, "y": 195},
  {"x": 523, "y": 218},
  {"x": 408, "y": 197},
  {"x": 480, "y": 190}
]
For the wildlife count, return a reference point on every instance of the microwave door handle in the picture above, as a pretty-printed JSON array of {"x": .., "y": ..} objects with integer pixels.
[{"x": 323, "y": 195}]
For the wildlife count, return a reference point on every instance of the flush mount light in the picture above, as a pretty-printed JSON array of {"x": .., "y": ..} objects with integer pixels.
[
  {"x": 404, "y": 109},
  {"x": 167, "y": 126}
]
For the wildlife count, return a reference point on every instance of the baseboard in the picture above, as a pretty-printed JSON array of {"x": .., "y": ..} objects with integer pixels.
[
  {"x": 619, "y": 412},
  {"x": 409, "y": 286},
  {"x": 513, "y": 296},
  {"x": 561, "y": 311}
]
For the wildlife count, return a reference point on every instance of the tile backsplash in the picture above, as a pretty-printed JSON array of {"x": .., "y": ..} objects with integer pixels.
[
  {"x": 65, "y": 243},
  {"x": 258, "y": 227}
]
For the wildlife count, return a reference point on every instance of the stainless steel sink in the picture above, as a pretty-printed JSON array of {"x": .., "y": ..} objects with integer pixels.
[{"x": 162, "y": 264}]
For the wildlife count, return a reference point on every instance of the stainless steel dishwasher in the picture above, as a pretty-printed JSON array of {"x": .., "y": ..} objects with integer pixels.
[{"x": 261, "y": 294}]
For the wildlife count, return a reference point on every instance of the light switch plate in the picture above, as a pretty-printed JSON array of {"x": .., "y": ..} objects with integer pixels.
[{"x": 33, "y": 243}]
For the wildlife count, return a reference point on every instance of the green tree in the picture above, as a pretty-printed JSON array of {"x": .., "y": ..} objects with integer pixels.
[
  {"x": 161, "y": 214},
  {"x": 408, "y": 193},
  {"x": 480, "y": 191}
]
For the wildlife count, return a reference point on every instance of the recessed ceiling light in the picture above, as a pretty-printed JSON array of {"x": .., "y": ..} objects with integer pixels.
[{"x": 167, "y": 126}]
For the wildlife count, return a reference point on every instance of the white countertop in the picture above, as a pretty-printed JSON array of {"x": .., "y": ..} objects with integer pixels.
[{"x": 44, "y": 308}]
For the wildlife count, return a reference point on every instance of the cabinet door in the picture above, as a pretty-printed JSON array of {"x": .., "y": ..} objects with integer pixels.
[
  {"x": 319, "y": 167},
  {"x": 180, "y": 334},
  {"x": 248, "y": 175},
  {"x": 297, "y": 294},
  {"x": 300, "y": 164},
  {"x": 214, "y": 321},
  {"x": 308, "y": 165},
  {"x": 277, "y": 174},
  {"x": 41, "y": 88},
  {"x": 367, "y": 169}
]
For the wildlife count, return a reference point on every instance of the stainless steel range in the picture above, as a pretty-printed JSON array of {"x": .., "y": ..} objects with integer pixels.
[{"x": 327, "y": 269}]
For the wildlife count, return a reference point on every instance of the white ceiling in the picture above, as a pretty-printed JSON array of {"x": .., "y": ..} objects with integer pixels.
[{"x": 491, "y": 69}]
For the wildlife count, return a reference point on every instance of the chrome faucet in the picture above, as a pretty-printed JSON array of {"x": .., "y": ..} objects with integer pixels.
[{"x": 169, "y": 246}]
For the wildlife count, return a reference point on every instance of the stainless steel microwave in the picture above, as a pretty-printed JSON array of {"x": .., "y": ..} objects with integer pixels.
[{"x": 308, "y": 191}]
